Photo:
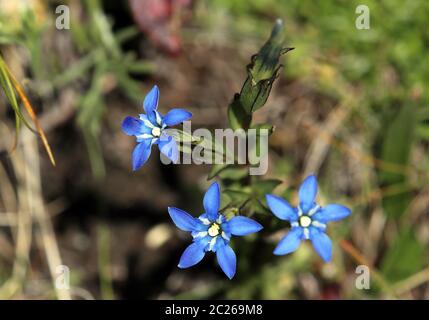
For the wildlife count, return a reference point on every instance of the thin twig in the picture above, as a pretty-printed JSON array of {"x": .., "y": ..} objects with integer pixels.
[
  {"x": 15, "y": 283},
  {"x": 412, "y": 282},
  {"x": 46, "y": 231}
]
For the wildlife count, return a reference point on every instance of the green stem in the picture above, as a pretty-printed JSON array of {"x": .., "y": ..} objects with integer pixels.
[{"x": 103, "y": 241}]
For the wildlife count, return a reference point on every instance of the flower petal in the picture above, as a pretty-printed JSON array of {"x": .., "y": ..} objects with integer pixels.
[
  {"x": 307, "y": 193},
  {"x": 321, "y": 243},
  {"x": 176, "y": 116},
  {"x": 168, "y": 146},
  {"x": 148, "y": 123},
  {"x": 227, "y": 260},
  {"x": 183, "y": 220},
  {"x": 211, "y": 201},
  {"x": 193, "y": 254},
  {"x": 332, "y": 212},
  {"x": 150, "y": 102},
  {"x": 240, "y": 226},
  {"x": 290, "y": 242},
  {"x": 132, "y": 126},
  {"x": 141, "y": 153},
  {"x": 281, "y": 208}
]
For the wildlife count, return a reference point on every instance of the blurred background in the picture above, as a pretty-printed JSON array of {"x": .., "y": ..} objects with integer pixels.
[{"x": 350, "y": 105}]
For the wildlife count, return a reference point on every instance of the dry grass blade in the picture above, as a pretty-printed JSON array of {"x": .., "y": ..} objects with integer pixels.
[
  {"x": 22, "y": 234},
  {"x": 20, "y": 90}
]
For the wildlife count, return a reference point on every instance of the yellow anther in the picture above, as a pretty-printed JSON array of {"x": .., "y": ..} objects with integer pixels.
[
  {"x": 304, "y": 221},
  {"x": 214, "y": 230},
  {"x": 156, "y": 132}
]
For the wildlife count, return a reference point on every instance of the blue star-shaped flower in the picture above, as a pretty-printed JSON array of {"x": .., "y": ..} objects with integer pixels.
[
  {"x": 212, "y": 232},
  {"x": 308, "y": 220},
  {"x": 150, "y": 128}
]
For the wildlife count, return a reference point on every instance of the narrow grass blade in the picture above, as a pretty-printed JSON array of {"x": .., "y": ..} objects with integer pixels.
[{"x": 20, "y": 91}]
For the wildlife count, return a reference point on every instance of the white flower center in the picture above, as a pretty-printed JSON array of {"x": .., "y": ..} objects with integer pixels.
[
  {"x": 305, "y": 221},
  {"x": 156, "y": 132},
  {"x": 214, "y": 230}
]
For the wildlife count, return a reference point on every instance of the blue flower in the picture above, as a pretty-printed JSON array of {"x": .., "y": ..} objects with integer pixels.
[
  {"x": 308, "y": 220},
  {"x": 150, "y": 128},
  {"x": 212, "y": 232}
]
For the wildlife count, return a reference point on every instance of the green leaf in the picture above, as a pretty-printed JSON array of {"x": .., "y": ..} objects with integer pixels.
[
  {"x": 126, "y": 34},
  {"x": 254, "y": 95},
  {"x": 225, "y": 201},
  {"x": 9, "y": 91},
  {"x": 140, "y": 67},
  {"x": 423, "y": 132},
  {"x": 405, "y": 257},
  {"x": 237, "y": 116},
  {"x": 263, "y": 187},
  {"x": 265, "y": 63},
  {"x": 216, "y": 169},
  {"x": 256, "y": 206},
  {"x": 261, "y": 73},
  {"x": 233, "y": 173},
  {"x": 395, "y": 149},
  {"x": 263, "y": 70},
  {"x": 237, "y": 195}
]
